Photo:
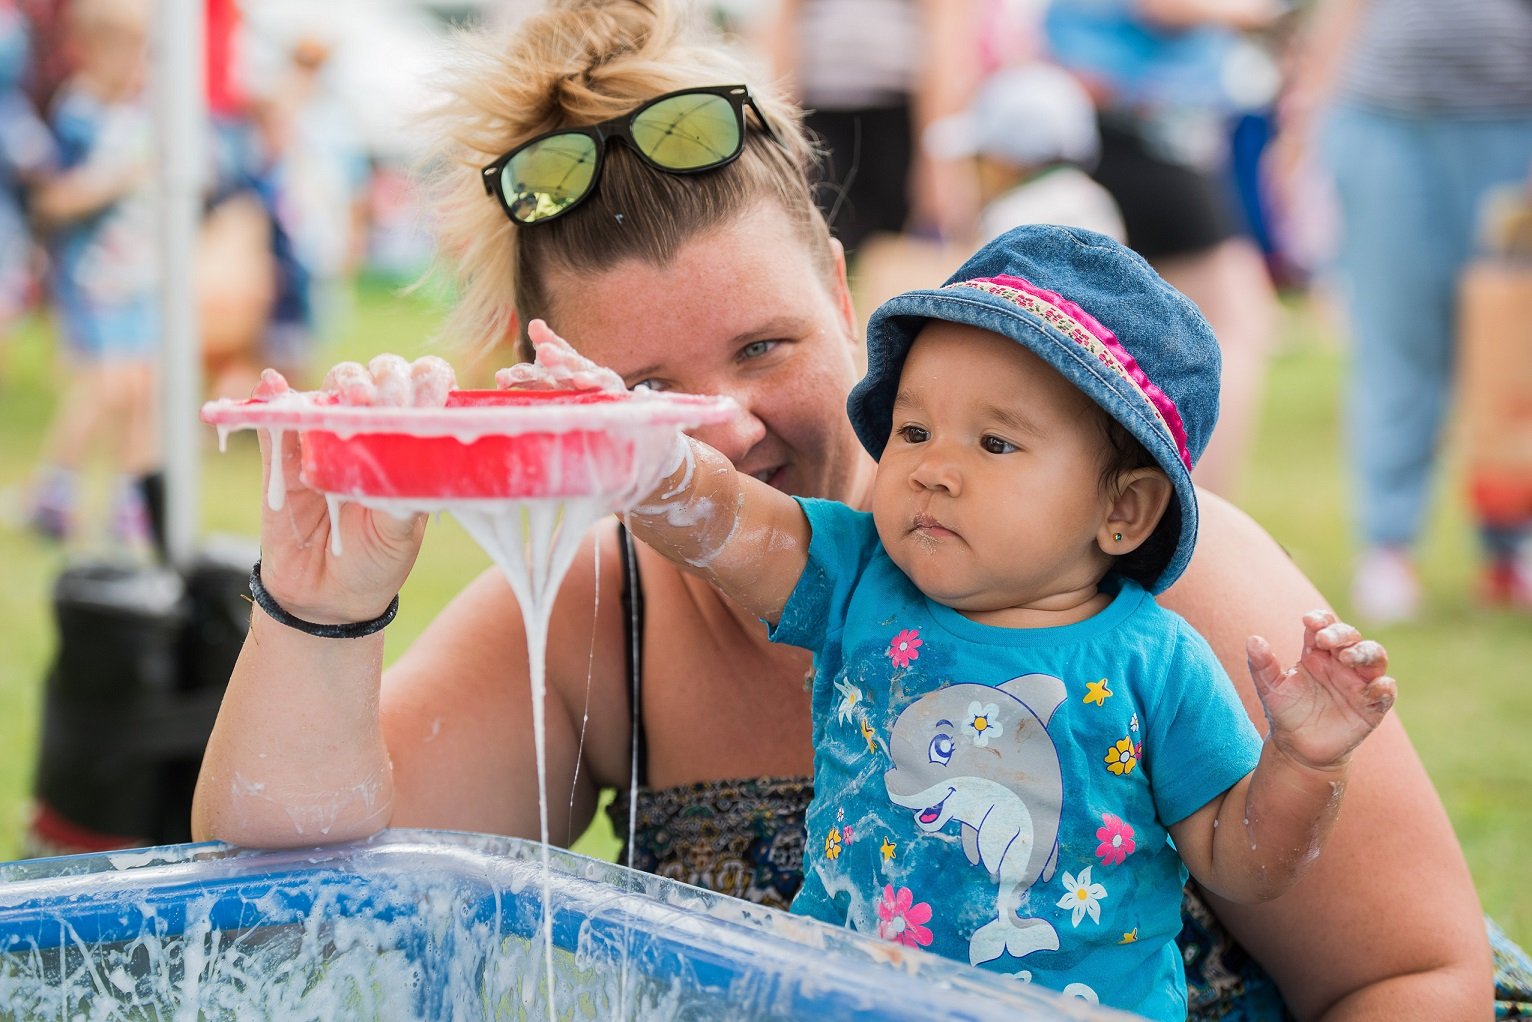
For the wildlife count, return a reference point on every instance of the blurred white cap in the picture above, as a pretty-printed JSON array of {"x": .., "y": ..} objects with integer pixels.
[{"x": 1030, "y": 115}]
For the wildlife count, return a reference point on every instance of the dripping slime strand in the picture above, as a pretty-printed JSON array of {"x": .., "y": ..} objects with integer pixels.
[{"x": 533, "y": 543}]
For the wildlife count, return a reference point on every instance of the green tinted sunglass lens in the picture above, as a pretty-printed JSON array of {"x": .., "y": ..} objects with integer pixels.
[
  {"x": 546, "y": 178},
  {"x": 688, "y": 131}
]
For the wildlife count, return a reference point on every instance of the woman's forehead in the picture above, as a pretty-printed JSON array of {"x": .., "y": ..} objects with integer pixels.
[
  {"x": 751, "y": 280},
  {"x": 699, "y": 327}
]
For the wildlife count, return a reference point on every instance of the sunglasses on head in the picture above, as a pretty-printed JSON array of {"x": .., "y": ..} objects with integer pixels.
[{"x": 681, "y": 132}]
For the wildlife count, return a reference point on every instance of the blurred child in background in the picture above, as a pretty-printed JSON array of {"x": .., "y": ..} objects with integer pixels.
[
  {"x": 1032, "y": 133},
  {"x": 311, "y": 177},
  {"x": 26, "y": 151},
  {"x": 1167, "y": 82},
  {"x": 98, "y": 212}
]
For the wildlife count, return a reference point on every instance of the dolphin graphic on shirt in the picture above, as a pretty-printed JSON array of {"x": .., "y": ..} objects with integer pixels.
[{"x": 999, "y": 777}]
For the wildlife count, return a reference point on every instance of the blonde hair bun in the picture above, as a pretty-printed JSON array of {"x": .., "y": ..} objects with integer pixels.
[{"x": 574, "y": 63}]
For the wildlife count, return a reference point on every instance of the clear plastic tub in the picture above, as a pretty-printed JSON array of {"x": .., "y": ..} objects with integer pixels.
[{"x": 436, "y": 925}]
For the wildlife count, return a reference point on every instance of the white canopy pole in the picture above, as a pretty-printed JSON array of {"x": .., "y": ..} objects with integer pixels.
[{"x": 180, "y": 117}]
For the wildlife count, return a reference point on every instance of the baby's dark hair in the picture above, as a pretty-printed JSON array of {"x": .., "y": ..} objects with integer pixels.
[{"x": 1124, "y": 453}]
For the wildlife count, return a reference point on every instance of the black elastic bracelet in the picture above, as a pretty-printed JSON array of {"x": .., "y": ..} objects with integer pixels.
[{"x": 354, "y": 630}]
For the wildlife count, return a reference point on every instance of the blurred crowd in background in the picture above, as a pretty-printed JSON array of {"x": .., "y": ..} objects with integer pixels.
[
  {"x": 304, "y": 186},
  {"x": 1192, "y": 130}
]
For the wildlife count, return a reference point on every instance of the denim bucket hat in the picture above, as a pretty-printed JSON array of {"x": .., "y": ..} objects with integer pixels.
[{"x": 1099, "y": 314}]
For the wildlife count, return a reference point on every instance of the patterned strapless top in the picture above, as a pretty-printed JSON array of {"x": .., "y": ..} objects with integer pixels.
[{"x": 738, "y": 837}]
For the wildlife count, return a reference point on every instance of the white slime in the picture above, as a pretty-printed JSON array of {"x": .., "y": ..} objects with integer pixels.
[{"x": 533, "y": 543}]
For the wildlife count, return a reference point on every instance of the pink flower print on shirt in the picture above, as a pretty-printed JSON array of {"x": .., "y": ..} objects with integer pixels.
[
  {"x": 901, "y": 919},
  {"x": 1116, "y": 840},
  {"x": 905, "y": 647},
  {"x": 847, "y": 834}
]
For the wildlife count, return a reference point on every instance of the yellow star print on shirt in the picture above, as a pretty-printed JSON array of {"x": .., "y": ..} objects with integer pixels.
[
  {"x": 1096, "y": 692},
  {"x": 1130, "y": 937},
  {"x": 871, "y": 736},
  {"x": 887, "y": 848}
]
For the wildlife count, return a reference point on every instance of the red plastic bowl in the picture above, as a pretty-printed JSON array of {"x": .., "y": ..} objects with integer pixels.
[
  {"x": 485, "y": 444},
  {"x": 525, "y": 465}
]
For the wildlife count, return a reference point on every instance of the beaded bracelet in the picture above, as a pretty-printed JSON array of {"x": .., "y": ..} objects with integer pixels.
[{"x": 354, "y": 630}]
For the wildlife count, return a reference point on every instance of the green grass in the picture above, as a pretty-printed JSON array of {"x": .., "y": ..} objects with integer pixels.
[{"x": 1463, "y": 670}]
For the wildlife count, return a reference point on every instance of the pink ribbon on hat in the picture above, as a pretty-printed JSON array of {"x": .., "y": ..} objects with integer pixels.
[{"x": 1088, "y": 332}]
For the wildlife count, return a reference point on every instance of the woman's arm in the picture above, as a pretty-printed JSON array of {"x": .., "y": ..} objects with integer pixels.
[
  {"x": 1313, "y": 60},
  {"x": 781, "y": 46},
  {"x": 1317, "y": 55},
  {"x": 1387, "y": 923},
  {"x": 296, "y": 755},
  {"x": 79, "y": 192},
  {"x": 313, "y": 745},
  {"x": 944, "y": 191},
  {"x": 1240, "y": 15}
]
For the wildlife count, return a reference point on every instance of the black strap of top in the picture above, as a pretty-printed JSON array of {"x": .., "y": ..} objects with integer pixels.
[{"x": 633, "y": 631}]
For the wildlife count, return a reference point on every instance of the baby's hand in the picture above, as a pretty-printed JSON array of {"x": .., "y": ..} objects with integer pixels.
[
  {"x": 1336, "y": 695},
  {"x": 558, "y": 367}
]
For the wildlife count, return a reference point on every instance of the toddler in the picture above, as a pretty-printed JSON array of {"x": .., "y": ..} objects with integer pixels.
[
  {"x": 1018, "y": 752},
  {"x": 26, "y": 152},
  {"x": 1031, "y": 133},
  {"x": 100, "y": 218}
]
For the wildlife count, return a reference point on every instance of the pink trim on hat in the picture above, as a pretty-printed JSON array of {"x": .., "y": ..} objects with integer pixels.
[{"x": 1088, "y": 332}]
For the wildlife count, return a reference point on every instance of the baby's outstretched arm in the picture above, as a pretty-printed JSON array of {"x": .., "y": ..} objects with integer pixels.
[
  {"x": 749, "y": 539},
  {"x": 1258, "y": 838}
]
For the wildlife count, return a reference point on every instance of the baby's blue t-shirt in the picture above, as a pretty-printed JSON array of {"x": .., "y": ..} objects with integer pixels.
[{"x": 1001, "y": 795}]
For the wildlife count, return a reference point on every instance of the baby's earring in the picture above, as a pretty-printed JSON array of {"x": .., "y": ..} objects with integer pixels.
[{"x": 1117, "y": 536}]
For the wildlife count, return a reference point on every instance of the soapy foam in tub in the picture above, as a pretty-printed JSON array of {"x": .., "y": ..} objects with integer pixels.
[{"x": 435, "y": 926}]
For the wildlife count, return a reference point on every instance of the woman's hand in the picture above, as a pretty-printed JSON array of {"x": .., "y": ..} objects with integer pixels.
[
  {"x": 346, "y": 567},
  {"x": 1337, "y": 694},
  {"x": 558, "y": 366}
]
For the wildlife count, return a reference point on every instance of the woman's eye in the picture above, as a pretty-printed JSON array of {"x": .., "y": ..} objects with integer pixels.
[
  {"x": 755, "y": 349},
  {"x": 650, "y": 384},
  {"x": 941, "y": 749},
  {"x": 995, "y": 445},
  {"x": 913, "y": 434}
]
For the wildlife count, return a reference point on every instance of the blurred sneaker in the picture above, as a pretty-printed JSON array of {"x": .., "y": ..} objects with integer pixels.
[
  {"x": 50, "y": 521},
  {"x": 1385, "y": 589},
  {"x": 1507, "y": 583},
  {"x": 51, "y": 507},
  {"x": 130, "y": 523}
]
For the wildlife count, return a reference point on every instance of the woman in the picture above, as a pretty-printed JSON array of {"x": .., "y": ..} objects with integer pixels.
[
  {"x": 1407, "y": 98},
  {"x": 724, "y": 282}
]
